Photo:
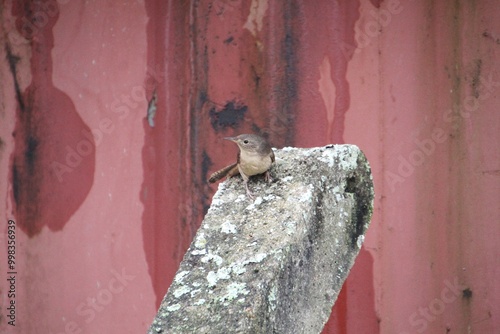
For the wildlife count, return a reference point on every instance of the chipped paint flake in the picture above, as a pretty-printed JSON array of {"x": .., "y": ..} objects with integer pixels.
[
  {"x": 255, "y": 19},
  {"x": 327, "y": 91}
]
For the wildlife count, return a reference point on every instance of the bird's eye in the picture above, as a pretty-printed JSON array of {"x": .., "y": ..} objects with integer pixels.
[{"x": 245, "y": 141}]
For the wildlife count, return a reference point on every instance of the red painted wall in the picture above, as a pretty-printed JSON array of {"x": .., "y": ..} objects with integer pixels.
[{"x": 105, "y": 205}]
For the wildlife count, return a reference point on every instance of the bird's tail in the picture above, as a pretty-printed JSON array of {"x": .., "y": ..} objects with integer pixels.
[{"x": 228, "y": 171}]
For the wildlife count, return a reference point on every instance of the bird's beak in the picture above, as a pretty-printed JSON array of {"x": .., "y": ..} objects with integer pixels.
[{"x": 233, "y": 139}]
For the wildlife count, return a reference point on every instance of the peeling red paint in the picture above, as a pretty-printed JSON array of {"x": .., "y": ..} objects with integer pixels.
[
  {"x": 54, "y": 157},
  {"x": 165, "y": 149},
  {"x": 222, "y": 47},
  {"x": 402, "y": 80},
  {"x": 333, "y": 44}
]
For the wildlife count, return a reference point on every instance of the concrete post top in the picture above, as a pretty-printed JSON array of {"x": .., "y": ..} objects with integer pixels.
[{"x": 276, "y": 263}]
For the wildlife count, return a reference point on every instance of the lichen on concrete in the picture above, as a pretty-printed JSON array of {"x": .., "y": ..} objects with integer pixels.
[{"x": 274, "y": 264}]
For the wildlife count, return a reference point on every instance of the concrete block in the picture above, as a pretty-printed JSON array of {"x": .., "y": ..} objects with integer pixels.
[{"x": 277, "y": 263}]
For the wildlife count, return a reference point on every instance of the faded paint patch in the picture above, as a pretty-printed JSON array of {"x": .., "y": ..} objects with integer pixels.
[
  {"x": 327, "y": 91},
  {"x": 255, "y": 19},
  {"x": 53, "y": 161}
]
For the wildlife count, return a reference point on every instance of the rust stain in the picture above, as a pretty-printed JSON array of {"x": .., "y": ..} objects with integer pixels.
[
  {"x": 467, "y": 294},
  {"x": 231, "y": 115},
  {"x": 284, "y": 79},
  {"x": 491, "y": 36},
  {"x": 476, "y": 77}
]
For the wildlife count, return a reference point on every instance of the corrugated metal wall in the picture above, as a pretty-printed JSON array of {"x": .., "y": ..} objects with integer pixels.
[{"x": 105, "y": 205}]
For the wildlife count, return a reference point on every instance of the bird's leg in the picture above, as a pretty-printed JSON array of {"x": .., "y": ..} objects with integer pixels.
[
  {"x": 245, "y": 181},
  {"x": 267, "y": 177},
  {"x": 249, "y": 193}
]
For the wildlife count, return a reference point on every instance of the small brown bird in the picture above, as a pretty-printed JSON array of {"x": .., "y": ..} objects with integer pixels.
[{"x": 255, "y": 157}]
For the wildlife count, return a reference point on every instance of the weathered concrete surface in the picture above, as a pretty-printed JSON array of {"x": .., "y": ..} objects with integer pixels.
[{"x": 275, "y": 264}]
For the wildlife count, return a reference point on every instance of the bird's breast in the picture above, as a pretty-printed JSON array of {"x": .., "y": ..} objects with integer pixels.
[{"x": 253, "y": 164}]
